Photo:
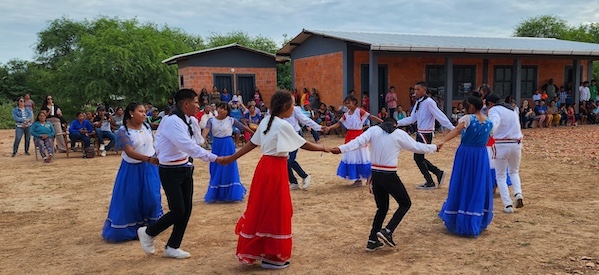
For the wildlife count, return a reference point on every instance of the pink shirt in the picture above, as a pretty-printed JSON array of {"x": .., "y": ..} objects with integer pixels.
[{"x": 391, "y": 100}]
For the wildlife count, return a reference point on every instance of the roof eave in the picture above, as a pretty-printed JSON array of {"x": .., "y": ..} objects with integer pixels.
[{"x": 401, "y": 48}]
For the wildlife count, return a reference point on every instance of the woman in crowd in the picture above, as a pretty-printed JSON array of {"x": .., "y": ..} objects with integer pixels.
[
  {"x": 23, "y": 117},
  {"x": 80, "y": 129},
  {"x": 54, "y": 116},
  {"x": 43, "y": 136}
]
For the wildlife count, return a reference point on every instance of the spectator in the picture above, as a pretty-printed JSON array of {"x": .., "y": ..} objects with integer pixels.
[
  {"x": 563, "y": 95},
  {"x": 585, "y": 92},
  {"x": 90, "y": 116},
  {"x": 54, "y": 116},
  {"x": 550, "y": 89},
  {"x": 214, "y": 97},
  {"x": 237, "y": 98},
  {"x": 321, "y": 114},
  {"x": 571, "y": 115},
  {"x": 541, "y": 113},
  {"x": 314, "y": 99},
  {"x": 365, "y": 101},
  {"x": 308, "y": 112},
  {"x": 527, "y": 115},
  {"x": 383, "y": 114},
  {"x": 305, "y": 97},
  {"x": 237, "y": 114},
  {"x": 592, "y": 91},
  {"x": 80, "y": 129},
  {"x": 553, "y": 116},
  {"x": 43, "y": 136},
  {"x": 104, "y": 123},
  {"x": 118, "y": 117},
  {"x": 154, "y": 120},
  {"x": 257, "y": 97},
  {"x": 23, "y": 117},
  {"x": 400, "y": 113},
  {"x": 225, "y": 96},
  {"x": 29, "y": 102},
  {"x": 391, "y": 100},
  {"x": 537, "y": 96},
  {"x": 203, "y": 98}
]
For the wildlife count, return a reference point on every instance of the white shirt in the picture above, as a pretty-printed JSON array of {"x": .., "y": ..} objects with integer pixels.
[
  {"x": 425, "y": 116},
  {"x": 174, "y": 144},
  {"x": 279, "y": 140},
  {"x": 585, "y": 93},
  {"x": 385, "y": 148},
  {"x": 141, "y": 142},
  {"x": 204, "y": 119},
  {"x": 237, "y": 98},
  {"x": 298, "y": 117},
  {"x": 506, "y": 123},
  {"x": 536, "y": 97}
]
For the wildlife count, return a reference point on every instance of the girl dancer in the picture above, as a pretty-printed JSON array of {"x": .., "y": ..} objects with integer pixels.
[
  {"x": 468, "y": 209},
  {"x": 225, "y": 185},
  {"x": 136, "y": 195},
  {"x": 265, "y": 228},
  {"x": 355, "y": 165}
]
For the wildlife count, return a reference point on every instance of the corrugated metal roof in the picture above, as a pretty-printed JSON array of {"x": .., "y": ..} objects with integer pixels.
[
  {"x": 452, "y": 44},
  {"x": 174, "y": 59}
]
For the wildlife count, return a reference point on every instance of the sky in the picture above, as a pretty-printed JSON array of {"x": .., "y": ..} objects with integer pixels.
[{"x": 21, "y": 20}]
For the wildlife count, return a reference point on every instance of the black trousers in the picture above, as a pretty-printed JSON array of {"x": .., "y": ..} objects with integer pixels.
[
  {"x": 178, "y": 188},
  {"x": 383, "y": 185},
  {"x": 423, "y": 164}
]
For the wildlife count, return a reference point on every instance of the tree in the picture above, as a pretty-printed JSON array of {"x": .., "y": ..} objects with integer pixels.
[{"x": 548, "y": 26}]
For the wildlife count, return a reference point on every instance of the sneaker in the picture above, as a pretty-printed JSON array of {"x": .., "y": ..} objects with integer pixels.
[
  {"x": 270, "y": 265},
  {"x": 103, "y": 153},
  {"x": 374, "y": 245},
  {"x": 177, "y": 253},
  {"x": 146, "y": 241},
  {"x": 49, "y": 158},
  {"x": 519, "y": 201},
  {"x": 102, "y": 147},
  {"x": 427, "y": 186},
  {"x": 508, "y": 209},
  {"x": 293, "y": 186},
  {"x": 387, "y": 237},
  {"x": 306, "y": 182},
  {"x": 440, "y": 178}
]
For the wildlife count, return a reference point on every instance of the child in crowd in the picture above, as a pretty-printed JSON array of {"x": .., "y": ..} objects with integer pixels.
[
  {"x": 265, "y": 228},
  {"x": 354, "y": 165},
  {"x": 468, "y": 209},
  {"x": 225, "y": 184}
]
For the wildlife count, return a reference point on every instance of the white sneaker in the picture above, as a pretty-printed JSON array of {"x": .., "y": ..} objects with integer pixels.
[
  {"x": 178, "y": 253},
  {"x": 146, "y": 241},
  {"x": 101, "y": 147},
  {"x": 103, "y": 153},
  {"x": 306, "y": 182},
  {"x": 519, "y": 201},
  {"x": 508, "y": 209},
  {"x": 293, "y": 186},
  {"x": 269, "y": 265}
]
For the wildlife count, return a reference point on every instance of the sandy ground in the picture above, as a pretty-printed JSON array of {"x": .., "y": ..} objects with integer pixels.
[{"x": 52, "y": 217}]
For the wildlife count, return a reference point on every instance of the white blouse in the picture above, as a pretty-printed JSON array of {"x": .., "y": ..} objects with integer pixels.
[{"x": 279, "y": 140}]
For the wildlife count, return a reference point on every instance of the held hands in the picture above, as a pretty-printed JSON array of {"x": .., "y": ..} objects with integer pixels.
[
  {"x": 335, "y": 150},
  {"x": 324, "y": 129},
  {"x": 439, "y": 145},
  {"x": 224, "y": 160}
]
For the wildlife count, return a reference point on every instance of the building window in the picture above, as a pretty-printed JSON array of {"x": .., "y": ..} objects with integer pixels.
[
  {"x": 464, "y": 80},
  {"x": 502, "y": 81},
  {"x": 181, "y": 81}
]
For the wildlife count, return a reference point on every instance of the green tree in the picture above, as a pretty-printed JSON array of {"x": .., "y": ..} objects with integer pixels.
[{"x": 548, "y": 26}]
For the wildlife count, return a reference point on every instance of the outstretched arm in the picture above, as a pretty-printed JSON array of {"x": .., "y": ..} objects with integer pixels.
[
  {"x": 315, "y": 147},
  {"x": 244, "y": 150}
]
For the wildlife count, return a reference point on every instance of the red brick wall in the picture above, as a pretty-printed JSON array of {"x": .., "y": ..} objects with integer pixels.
[
  {"x": 323, "y": 72},
  {"x": 203, "y": 77},
  {"x": 405, "y": 71}
]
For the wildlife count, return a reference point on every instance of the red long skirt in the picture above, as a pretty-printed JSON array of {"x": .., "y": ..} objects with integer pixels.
[
  {"x": 352, "y": 134},
  {"x": 265, "y": 228}
]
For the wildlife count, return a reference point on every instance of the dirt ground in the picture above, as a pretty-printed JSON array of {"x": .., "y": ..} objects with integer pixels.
[{"x": 52, "y": 217}]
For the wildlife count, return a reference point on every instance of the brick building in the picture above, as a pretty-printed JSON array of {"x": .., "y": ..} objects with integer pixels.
[
  {"x": 233, "y": 66},
  {"x": 336, "y": 62}
]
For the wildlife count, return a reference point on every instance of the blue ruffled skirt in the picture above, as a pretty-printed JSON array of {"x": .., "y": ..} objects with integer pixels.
[{"x": 225, "y": 184}]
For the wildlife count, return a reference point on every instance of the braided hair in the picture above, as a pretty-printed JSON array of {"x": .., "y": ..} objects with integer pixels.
[
  {"x": 280, "y": 102},
  {"x": 127, "y": 114}
]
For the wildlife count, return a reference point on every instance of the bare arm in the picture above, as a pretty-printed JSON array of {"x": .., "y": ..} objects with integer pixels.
[
  {"x": 135, "y": 155},
  {"x": 244, "y": 150},
  {"x": 314, "y": 147}
]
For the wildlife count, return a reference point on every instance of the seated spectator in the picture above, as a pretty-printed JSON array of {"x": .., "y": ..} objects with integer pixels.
[
  {"x": 537, "y": 95},
  {"x": 104, "y": 123},
  {"x": 237, "y": 114},
  {"x": 571, "y": 115},
  {"x": 593, "y": 111},
  {"x": 118, "y": 117},
  {"x": 307, "y": 110},
  {"x": 154, "y": 120},
  {"x": 237, "y": 98},
  {"x": 383, "y": 114},
  {"x": 43, "y": 136},
  {"x": 583, "y": 113},
  {"x": 90, "y": 117},
  {"x": 527, "y": 115},
  {"x": 321, "y": 114},
  {"x": 225, "y": 96},
  {"x": 553, "y": 116},
  {"x": 541, "y": 113},
  {"x": 400, "y": 113},
  {"x": 251, "y": 119},
  {"x": 563, "y": 111},
  {"x": 167, "y": 111},
  {"x": 454, "y": 116},
  {"x": 80, "y": 129}
]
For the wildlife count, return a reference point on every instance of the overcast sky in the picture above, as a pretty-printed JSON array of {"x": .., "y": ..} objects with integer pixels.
[{"x": 21, "y": 20}]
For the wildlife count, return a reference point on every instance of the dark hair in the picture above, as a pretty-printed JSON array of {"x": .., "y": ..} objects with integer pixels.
[
  {"x": 486, "y": 90},
  {"x": 37, "y": 118},
  {"x": 280, "y": 102},
  {"x": 225, "y": 106},
  {"x": 100, "y": 108},
  {"x": 493, "y": 98},
  {"x": 422, "y": 84},
  {"x": 127, "y": 115},
  {"x": 351, "y": 98},
  {"x": 390, "y": 120},
  {"x": 184, "y": 95},
  {"x": 118, "y": 108},
  {"x": 79, "y": 113},
  {"x": 45, "y": 102},
  {"x": 392, "y": 87},
  {"x": 474, "y": 101}
]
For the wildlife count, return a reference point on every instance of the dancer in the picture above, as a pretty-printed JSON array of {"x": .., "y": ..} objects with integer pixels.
[
  {"x": 508, "y": 146},
  {"x": 355, "y": 164},
  {"x": 296, "y": 117},
  {"x": 175, "y": 146},
  {"x": 265, "y": 228},
  {"x": 386, "y": 142},
  {"x": 136, "y": 194},
  {"x": 225, "y": 184},
  {"x": 468, "y": 209},
  {"x": 424, "y": 113}
]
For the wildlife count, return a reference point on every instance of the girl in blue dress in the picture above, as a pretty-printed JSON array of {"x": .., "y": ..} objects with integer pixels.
[
  {"x": 225, "y": 184},
  {"x": 468, "y": 209},
  {"x": 136, "y": 194}
]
